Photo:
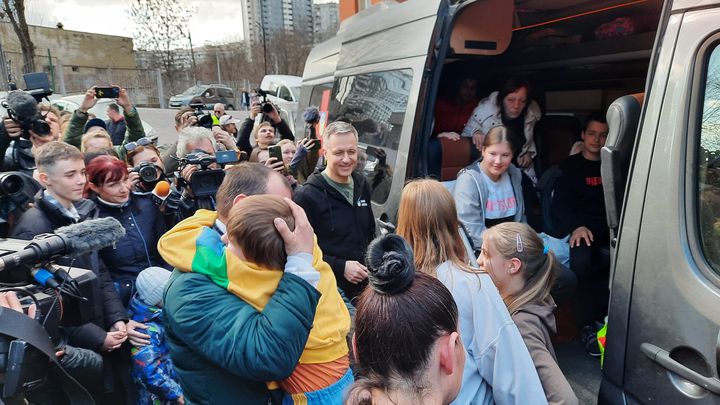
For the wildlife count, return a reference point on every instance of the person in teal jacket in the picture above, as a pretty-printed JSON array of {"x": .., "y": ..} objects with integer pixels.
[{"x": 222, "y": 348}]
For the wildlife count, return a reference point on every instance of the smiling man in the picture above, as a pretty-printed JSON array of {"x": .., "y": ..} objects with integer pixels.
[{"x": 337, "y": 203}]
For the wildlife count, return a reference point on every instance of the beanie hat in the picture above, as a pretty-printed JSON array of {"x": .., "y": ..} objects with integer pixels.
[
  {"x": 95, "y": 122},
  {"x": 150, "y": 284}
]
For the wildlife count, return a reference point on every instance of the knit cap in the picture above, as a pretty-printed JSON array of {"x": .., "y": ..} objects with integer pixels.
[{"x": 150, "y": 284}]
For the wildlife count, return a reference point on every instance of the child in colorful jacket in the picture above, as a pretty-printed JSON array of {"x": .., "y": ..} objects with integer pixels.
[
  {"x": 252, "y": 272},
  {"x": 152, "y": 369}
]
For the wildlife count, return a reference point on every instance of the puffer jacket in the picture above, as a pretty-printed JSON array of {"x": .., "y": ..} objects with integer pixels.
[
  {"x": 488, "y": 115},
  {"x": 144, "y": 225},
  {"x": 152, "y": 369}
]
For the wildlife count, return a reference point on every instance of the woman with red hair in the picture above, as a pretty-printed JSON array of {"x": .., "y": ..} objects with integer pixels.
[{"x": 109, "y": 187}]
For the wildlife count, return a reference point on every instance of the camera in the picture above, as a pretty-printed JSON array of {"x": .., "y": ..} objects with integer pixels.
[
  {"x": 22, "y": 108},
  {"x": 204, "y": 119},
  {"x": 266, "y": 105},
  {"x": 147, "y": 171},
  {"x": 205, "y": 182},
  {"x": 11, "y": 184}
]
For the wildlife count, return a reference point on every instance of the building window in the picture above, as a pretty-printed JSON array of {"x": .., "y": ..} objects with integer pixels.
[{"x": 75, "y": 69}]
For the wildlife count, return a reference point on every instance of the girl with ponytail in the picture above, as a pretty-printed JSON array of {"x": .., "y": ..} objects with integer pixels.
[
  {"x": 406, "y": 341},
  {"x": 522, "y": 269}
]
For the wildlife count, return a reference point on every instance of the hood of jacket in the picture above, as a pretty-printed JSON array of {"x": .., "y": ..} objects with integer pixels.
[
  {"x": 543, "y": 310},
  {"x": 141, "y": 312},
  {"x": 84, "y": 207}
]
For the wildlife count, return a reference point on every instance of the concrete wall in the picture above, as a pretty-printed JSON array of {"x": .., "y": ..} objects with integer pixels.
[{"x": 72, "y": 48}]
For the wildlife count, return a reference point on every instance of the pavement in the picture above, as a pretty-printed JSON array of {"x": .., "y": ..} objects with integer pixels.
[{"x": 163, "y": 121}]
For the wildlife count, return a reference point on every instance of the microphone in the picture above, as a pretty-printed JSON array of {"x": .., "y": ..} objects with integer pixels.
[
  {"x": 72, "y": 240},
  {"x": 160, "y": 192}
]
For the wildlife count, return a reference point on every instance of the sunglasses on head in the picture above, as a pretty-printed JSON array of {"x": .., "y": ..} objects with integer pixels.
[{"x": 140, "y": 142}]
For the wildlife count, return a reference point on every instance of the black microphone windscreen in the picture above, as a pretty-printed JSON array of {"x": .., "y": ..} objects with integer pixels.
[
  {"x": 22, "y": 103},
  {"x": 91, "y": 235}
]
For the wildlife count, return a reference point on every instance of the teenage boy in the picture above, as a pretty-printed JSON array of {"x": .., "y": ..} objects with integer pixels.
[
  {"x": 578, "y": 210},
  {"x": 337, "y": 203},
  {"x": 61, "y": 170}
]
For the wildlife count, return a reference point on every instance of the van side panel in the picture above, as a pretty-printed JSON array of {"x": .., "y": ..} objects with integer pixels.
[{"x": 625, "y": 260}]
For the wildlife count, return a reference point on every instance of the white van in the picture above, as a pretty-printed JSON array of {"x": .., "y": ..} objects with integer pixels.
[
  {"x": 661, "y": 164},
  {"x": 283, "y": 91}
]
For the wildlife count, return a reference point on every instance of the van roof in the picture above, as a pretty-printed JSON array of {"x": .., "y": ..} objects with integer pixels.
[{"x": 291, "y": 81}]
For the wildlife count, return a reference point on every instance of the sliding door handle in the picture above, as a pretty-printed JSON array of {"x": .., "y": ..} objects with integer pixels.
[{"x": 663, "y": 359}]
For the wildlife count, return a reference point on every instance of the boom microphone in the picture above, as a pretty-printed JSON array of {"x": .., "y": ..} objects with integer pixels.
[{"x": 72, "y": 240}]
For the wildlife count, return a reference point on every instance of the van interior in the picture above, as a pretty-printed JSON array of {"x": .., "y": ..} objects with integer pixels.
[{"x": 577, "y": 56}]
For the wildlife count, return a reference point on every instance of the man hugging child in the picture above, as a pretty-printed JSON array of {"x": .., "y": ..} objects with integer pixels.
[{"x": 252, "y": 271}]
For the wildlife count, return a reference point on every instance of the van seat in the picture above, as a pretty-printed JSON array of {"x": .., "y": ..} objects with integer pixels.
[
  {"x": 554, "y": 137},
  {"x": 455, "y": 156}
]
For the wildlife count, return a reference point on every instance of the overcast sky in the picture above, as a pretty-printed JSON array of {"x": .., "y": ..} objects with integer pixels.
[{"x": 215, "y": 20}]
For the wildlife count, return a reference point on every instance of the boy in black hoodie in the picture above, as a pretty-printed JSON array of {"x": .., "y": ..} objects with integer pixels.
[
  {"x": 337, "y": 203},
  {"x": 578, "y": 209}
]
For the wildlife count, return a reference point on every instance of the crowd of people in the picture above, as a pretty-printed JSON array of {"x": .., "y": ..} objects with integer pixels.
[{"x": 263, "y": 281}]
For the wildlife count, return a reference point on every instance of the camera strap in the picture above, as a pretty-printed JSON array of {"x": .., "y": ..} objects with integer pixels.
[{"x": 19, "y": 326}]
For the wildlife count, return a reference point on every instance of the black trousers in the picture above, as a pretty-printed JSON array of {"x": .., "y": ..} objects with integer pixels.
[{"x": 591, "y": 265}]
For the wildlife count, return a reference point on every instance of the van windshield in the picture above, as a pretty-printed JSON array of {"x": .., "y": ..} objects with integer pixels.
[{"x": 193, "y": 90}]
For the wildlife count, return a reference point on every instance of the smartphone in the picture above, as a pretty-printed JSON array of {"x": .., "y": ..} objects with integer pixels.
[
  {"x": 276, "y": 152},
  {"x": 226, "y": 157},
  {"x": 107, "y": 92}
]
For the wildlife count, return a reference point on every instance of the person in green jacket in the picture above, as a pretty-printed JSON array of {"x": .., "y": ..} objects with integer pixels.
[
  {"x": 76, "y": 127},
  {"x": 222, "y": 348}
]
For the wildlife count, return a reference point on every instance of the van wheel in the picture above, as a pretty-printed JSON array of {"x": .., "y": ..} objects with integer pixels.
[{"x": 230, "y": 107}]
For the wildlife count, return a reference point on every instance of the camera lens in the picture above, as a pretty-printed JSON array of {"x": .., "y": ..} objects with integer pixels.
[
  {"x": 148, "y": 174},
  {"x": 40, "y": 127},
  {"x": 10, "y": 184},
  {"x": 267, "y": 108}
]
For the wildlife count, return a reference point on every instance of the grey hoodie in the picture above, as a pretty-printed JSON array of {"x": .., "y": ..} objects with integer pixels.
[
  {"x": 471, "y": 193},
  {"x": 536, "y": 322}
]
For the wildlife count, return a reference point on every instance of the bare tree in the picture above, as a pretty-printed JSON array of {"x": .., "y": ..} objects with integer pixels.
[
  {"x": 14, "y": 10},
  {"x": 161, "y": 26}
]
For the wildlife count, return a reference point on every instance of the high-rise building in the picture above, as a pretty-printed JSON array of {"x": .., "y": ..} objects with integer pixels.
[
  {"x": 276, "y": 15},
  {"x": 327, "y": 19}
]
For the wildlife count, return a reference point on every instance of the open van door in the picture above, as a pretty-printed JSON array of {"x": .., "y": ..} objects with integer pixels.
[{"x": 663, "y": 339}]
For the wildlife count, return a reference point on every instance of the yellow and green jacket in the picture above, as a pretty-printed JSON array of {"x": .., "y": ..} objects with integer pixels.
[{"x": 194, "y": 246}]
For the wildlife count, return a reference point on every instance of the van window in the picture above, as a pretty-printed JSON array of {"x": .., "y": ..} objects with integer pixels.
[
  {"x": 375, "y": 103},
  {"x": 709, "y": 165},
  {"x": 284, "y": 93},
  {"x": 225, "y": 93}
]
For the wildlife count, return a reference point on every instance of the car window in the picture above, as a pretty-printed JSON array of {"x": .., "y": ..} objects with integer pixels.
[
  {"x": 273, "y": 89},
  {"x": 284, "y": 94},
  {"x": 375, "y": 103},
  {"x": 209, "y": 93},
  {"x": 709, "y": 164}
]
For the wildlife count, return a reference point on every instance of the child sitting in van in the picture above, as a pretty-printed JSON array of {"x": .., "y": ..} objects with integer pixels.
[
  {"x": 152, "y": 369},
  {"x": 252, "y": 272}
]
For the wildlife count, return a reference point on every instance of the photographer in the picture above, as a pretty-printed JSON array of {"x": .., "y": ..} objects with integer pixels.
[
  {"x": 76, "y": 128},
  {"x": 272, "y": 116},
  {"x": 17, "y": 144},
  {"x": 194, "y": 141},
  {"x": 109, "y": 187}
]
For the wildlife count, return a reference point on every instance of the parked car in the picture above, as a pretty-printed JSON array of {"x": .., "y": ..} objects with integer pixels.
[
  {"x": 72, "y": 103},
  {"x": 208, "y": 95}
]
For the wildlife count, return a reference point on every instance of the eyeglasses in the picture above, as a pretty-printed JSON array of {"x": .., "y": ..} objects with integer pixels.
[
  {"x": 217, "y": 111},
  {"x": 140, "y": 142}
]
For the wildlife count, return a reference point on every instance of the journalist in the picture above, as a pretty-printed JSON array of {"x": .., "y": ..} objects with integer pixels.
[
  {"x": 277, "y": 124},
  {"x": 109, "y": 187}
]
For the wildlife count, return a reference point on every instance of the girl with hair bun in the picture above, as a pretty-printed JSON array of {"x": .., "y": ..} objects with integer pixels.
[
  {"x": 499, "y": 369},
  {"x": 522, "y": 269},
  {"x": 406, "y": 341}
]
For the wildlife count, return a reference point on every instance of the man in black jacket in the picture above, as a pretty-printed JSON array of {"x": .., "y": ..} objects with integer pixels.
[
  {"x": 337, "y": 202},
  {"x": 61, "y": 170}
]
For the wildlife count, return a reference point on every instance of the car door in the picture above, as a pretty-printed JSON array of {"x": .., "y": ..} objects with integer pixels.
[{"x": 664, "y": 326}]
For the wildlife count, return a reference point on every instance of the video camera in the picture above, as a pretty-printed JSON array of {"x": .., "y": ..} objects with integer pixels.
[
  {"x": 205, "y": 182},
  {"x": 63, "y": 296},
  {"x": 22, "y": 108},
  {"x": 204, "y": 118},
  {"x": 266, "y": 105}
]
